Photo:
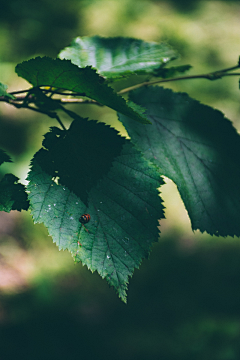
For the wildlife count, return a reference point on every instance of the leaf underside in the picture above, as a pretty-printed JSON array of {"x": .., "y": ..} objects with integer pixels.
[
  {"x": 124, "y": 206},
  {"x": 65, "y": 75},
  {"x": 118, "y": 57},
  {"x": 196, "y": 147}
]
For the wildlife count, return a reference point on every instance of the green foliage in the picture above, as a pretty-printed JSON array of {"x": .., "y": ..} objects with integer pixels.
[
  {"x": 90, "y": 169},
  {"x": 164, "y": 72},
  {"x": 122, "y": 199},
  {"x": 80, "y": 156},
  {"x": 4, "y": 93},
  {"x": 13, "y": 195},
  {"x": 65, "y": 75},
  {"x": 118, "y": 57},
  {"x": 4, "y": 157},
  {"x": 196, "y": 147}
]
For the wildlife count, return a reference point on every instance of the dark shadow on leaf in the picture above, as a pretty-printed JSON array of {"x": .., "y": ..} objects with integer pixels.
[{"x": 80, "y": 156}]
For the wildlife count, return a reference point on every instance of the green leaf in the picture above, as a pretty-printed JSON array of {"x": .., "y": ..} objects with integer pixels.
[
  {"x": 172, "y": 71},
  {"x": 12, "y": 194},
  {"x": 65, "y": 75},
  {"x": 3, "y": 91},
  {"x": 4, "y": 157},
  {"x": 124, "y": 206},
  {"x": 83, "y": 146},
  {"x": 196, "y": 147},
  {"x": 119, "y": 56}
]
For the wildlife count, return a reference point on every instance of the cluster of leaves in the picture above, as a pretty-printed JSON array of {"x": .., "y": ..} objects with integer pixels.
[{"x": 90, "y": 168}]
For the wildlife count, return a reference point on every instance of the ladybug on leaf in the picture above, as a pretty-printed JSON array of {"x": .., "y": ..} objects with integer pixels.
[{"x": 85, "y": 218}]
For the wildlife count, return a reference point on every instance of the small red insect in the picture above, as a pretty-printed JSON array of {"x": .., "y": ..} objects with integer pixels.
[{"x": 85, "y": 218}]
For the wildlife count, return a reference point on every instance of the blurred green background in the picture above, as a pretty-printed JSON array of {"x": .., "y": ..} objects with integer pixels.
[{"x": 184, "y": 303}]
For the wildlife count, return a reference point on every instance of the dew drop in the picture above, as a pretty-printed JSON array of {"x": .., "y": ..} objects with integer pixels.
[{"x": 126, "y": 240}]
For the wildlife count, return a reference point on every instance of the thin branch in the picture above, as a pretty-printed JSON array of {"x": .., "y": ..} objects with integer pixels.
[
  {"x": 210, "y": 76},
  {"x": 19, "y": 91},
  {"x": 228, "y": 69},
  {"x": 53, "y": 115},
  {"x": 19, "y": 98},
  {"x": 82, "y": 101},
  {"x": 53, "y": 92},
  {"x": 231, "y": 74},
  {"x": 60, "y": 121}
]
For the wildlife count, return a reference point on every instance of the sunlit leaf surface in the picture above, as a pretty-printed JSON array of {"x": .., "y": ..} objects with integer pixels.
[
  {"x": 123, "y": 202},
  {"x": 65, "y": 75},
  {"x": 118, "y": 57}
]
